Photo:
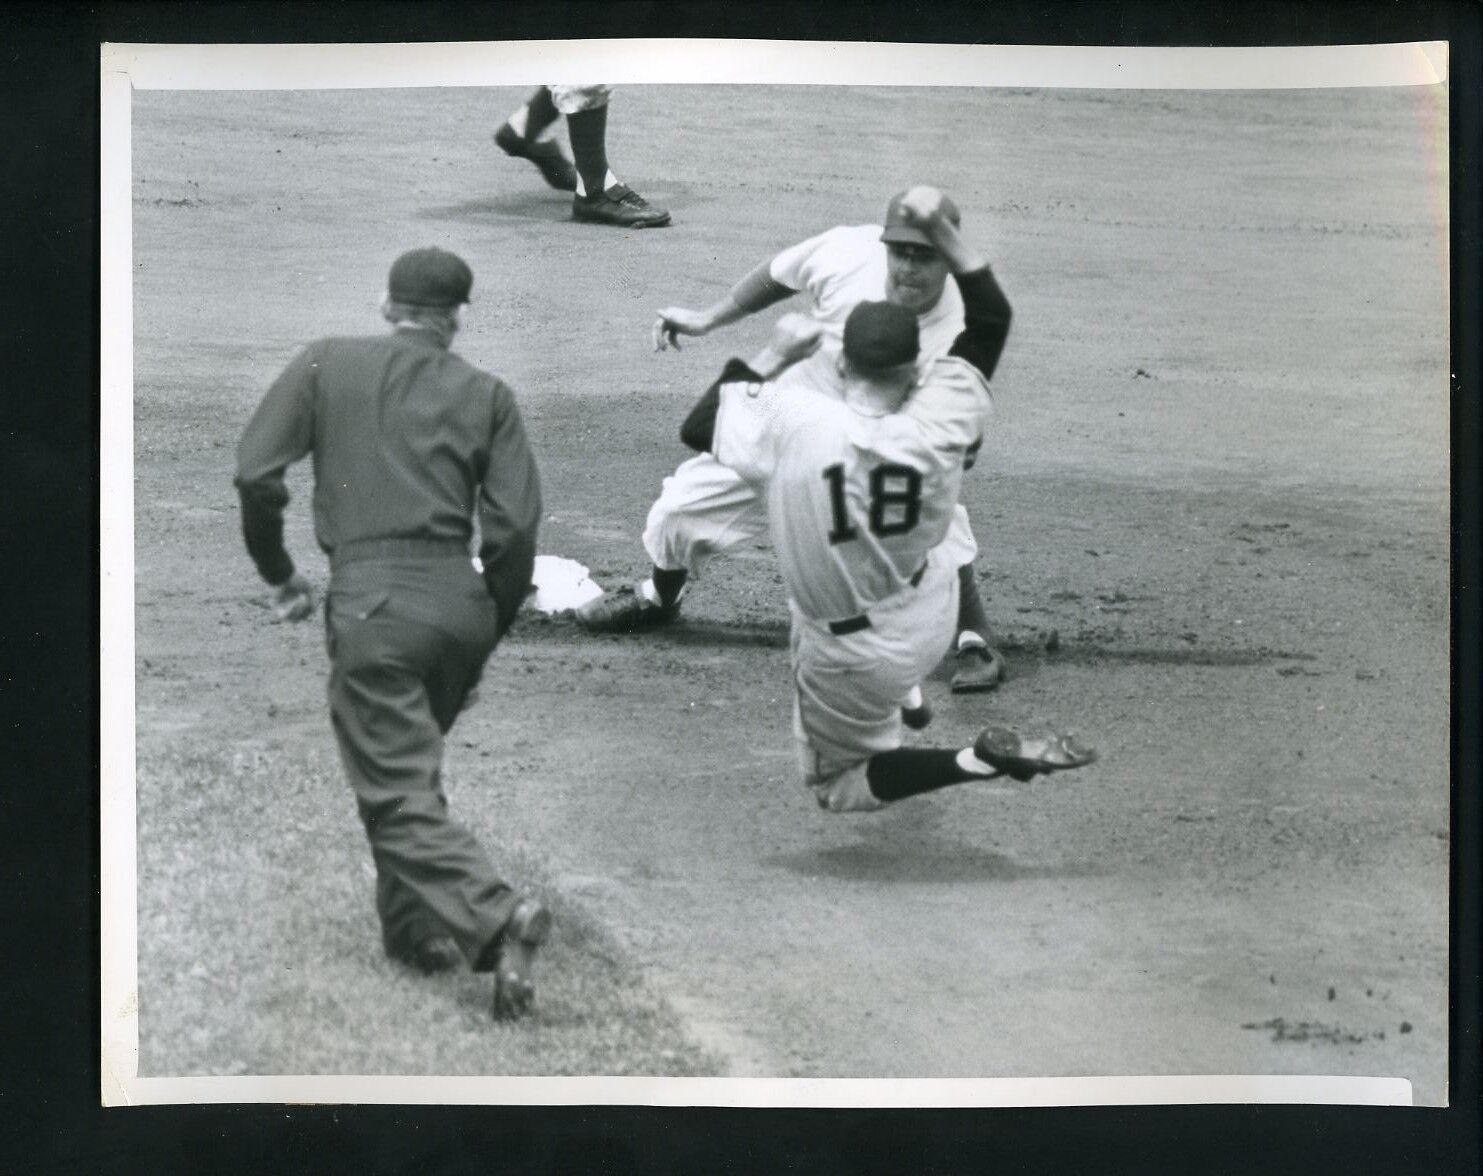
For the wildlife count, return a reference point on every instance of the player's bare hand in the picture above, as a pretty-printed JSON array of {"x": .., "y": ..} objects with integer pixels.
[
  {"x": 674, "y": 321},
  {"x": 293, "y": 600},
  {"x": 796, "y": 336}
]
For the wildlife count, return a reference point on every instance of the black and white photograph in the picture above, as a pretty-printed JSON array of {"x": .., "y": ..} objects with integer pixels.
[{"x": 700, "y": 588}]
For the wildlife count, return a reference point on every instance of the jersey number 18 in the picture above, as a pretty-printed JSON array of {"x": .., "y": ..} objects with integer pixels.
[{"x": 895, "y": 501}]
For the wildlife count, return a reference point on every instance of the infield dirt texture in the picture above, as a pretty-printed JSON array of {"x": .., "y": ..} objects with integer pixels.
[{"x": 1218, "y": 472}]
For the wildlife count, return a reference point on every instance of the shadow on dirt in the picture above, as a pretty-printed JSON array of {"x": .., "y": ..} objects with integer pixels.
[
  {"x": 1024, "y": 656},
  {"x": 919, "y": 862},
  {"x": 1082, "y": 654},
  {"x": 526, "y": 205},
  {"x": 682, "y": 634},
  {"x": 547, "y": 206}
]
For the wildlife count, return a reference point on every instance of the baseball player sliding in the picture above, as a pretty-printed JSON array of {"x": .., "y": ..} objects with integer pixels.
[
  {"x": 706, "y": 508},
  {"x": 860, "y": 489}
]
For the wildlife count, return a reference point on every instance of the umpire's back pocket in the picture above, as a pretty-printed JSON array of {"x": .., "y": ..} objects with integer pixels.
[{"x": 343, "y": 608}]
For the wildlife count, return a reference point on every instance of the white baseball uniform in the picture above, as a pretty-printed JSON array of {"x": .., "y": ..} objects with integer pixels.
[
  {"x": 575, "y": 99},
  {"x": 706, "y": 508},
  {"x": 858, "y": 506}
]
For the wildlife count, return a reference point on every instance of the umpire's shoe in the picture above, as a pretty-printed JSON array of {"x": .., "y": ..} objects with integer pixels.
[
  {"x": 1024, "y": 757},
  {"x": 625, "y": 611},
  {"x": 433, "y": 954},
  {"x": 556, "y": 168},
  {"x": 514, "y": 964},
  {"x": 620, "y": 205},
  {"x": 978, "y": 668}
]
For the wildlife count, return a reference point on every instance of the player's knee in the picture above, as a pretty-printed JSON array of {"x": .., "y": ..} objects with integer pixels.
[{"x": 845, "y": 792}]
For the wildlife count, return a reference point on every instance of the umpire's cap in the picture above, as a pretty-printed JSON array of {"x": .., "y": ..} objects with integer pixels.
[
  {"x": 880, "y": 335},
  {"x": 430, "y": 277},
  {"x": 898, "y": 230}
]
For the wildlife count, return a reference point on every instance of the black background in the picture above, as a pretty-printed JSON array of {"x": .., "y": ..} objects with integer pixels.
[{"x": 50, "y": 1120}]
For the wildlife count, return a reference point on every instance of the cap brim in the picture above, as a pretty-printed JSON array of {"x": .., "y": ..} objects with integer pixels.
[{"x": 905, "y": 235}]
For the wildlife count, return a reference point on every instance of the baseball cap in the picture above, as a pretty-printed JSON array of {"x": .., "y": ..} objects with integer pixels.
[
  {"x": 429, "y": 277},
  {"x": 880, "y": 335},
  {"x": 898, "y": 230}
]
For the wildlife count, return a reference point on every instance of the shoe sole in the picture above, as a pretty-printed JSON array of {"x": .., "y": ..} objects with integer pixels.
[
  {"x": 1022, "y": 758},
  {"x": 620, "y": 224},
  {"x": 514, "y": 985},
  {"x": 975, "y": 686},
  {"x": 991, "y": 677}
]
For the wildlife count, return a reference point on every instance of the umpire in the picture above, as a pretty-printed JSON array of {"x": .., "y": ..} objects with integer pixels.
[{"x": 409, "y": 443}]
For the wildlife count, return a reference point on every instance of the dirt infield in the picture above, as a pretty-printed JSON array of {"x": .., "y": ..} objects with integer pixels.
[{"x": 1219, "y": 475}]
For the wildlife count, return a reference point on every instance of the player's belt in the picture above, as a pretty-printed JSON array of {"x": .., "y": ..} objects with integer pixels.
[
  {"x": 855, "y": 624},
  {"x": 398, "y": 548}
]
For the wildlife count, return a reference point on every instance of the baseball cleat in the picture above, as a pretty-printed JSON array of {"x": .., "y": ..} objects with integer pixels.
[
  {"x": 620, "y": 205},
  {"x": 555, "y": 168},
  {"x": 917, "y": 717},
  {"x": 514, "y": 986},
  {"x": 1024, "y": 757},
  {"x": 979, "y": 668},
  {"x": 624, "y": 611}
]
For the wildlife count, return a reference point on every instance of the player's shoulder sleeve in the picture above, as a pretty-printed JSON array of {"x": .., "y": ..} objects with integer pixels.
[
  {"x": 951, "y": 403},
  {"x": 755, "y": 420},
  {"x": 800, "y": 266},
  {"x": 745, "y": 437}
]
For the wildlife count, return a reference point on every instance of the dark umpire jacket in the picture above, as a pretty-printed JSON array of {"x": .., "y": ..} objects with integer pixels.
[{"x": 410, "y": 444}]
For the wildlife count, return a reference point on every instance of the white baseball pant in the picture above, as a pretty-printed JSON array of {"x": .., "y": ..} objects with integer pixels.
[
  {"x": 848, "y": 688},
  {"x": 575, "y": 99}
]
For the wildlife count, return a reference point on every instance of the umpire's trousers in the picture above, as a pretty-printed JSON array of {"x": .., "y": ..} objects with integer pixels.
[{"x": 409, "y": 628}]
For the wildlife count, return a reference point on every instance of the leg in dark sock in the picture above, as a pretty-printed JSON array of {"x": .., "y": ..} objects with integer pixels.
[
  {"x": 979, "y": 665},
  {"x": 600, "y": 198},
  {"x": 519, "y": 135},
  {"x": 911, "y": 771},
  {"x": 540, "y": 113},
  {"x": 668, "y": 585},
  {"x": 589, "y": 134},
  {"x": 972, "y": 617}
]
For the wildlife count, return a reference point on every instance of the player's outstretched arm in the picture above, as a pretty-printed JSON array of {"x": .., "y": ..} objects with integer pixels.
[
  {"x": 756, "y": 291},
  {"x": 794, "y": 337}
]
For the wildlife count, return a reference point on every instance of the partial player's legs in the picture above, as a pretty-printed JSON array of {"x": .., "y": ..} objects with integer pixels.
[
  {"x": 525, "y": 136},
  {"x": 600, "y": 197},
  {"x": 979, "y": 666},
  {"x": 704, "y": 509},
  {"x": 849, "y": 709},
  {"x": 394, "y": 687}
]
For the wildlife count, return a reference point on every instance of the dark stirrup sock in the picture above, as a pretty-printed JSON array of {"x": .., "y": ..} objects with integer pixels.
[
  {"x": 540, "y": 113},
  {"x": 669, "y": 584},
  {"x": 971, "y": 614},
  {"x": 910, "y": 771},
  {"x": 589, "y": 134}
]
